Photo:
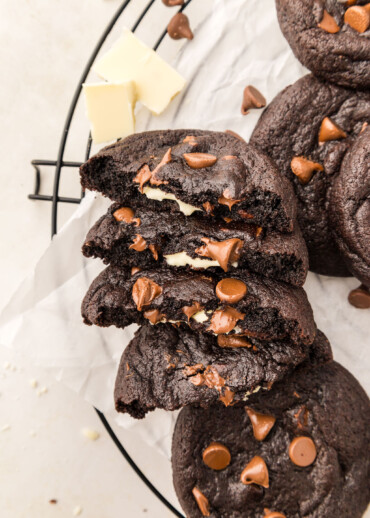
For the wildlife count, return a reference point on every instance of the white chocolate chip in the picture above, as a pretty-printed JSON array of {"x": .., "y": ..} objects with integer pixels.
[
  {"x": 93, "y": 435},
  {"x": 183, "y": 259},
  {"x": 158, "y": 195}
]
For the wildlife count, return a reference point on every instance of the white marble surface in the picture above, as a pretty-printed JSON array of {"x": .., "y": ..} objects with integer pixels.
[{"x": 42, "y": 453}]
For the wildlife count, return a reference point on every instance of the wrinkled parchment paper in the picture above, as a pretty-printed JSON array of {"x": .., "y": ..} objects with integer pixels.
[{"x": 239, "y": 43}]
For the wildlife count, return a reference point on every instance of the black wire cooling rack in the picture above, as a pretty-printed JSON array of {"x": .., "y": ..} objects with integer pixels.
[{"x": 59, "y": 164}]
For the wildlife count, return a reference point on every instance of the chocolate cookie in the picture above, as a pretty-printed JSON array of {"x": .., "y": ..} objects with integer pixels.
[
  {"x": 239, "y": 304},
  {"x": 169, "y": 367},
  {"x": 141, "y": 237},
  {"x": 330, "y": 37},
  {"x": 192, "y": 171},
  {"x": 350, "y": 208},
  {"x": 300, "y": 450},
  {"x": 307, "y": 129}
]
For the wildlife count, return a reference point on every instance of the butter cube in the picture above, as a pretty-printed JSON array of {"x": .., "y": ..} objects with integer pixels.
[
  {"x": 157, "y": 83},
  {"x": 123, "y": 60},
  {"x": 110, "y": 109}
]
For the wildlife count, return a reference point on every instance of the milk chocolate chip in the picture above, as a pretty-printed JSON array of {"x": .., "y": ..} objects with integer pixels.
[
  {"x": 154, "y": 251},
  {"x": 358, "y": 17},
  {"x": 143, "y": 176},
  {"x": 330, "y": 131},
  {"x": 224, "y": 320},
  {"x": 224, "y": 252},
  {"x": 227, "y": 200},
  {"x": 202, "y": 502},
  {"x": 360, "y": 297},
  {"x": 232, "y": 341},
  {"x": 154, "y": 315},
  {"x": 144, "y": 291},
  {"x": 252, "y": 98},
  {"x": 262, "y": 424},
  {"x": 179, "y": 27},
  {"x": 199, "y": 160},
  {"x": 139, "y": 243},
  {"x": 134, "y": 270},
  {"x": 127, "y": 215},
  {"x": 256, "y": 472},
  {"x": 172, "y": 3},
  {"x": 328, "y": 23},
  {"x": 304, "y": 168},
  {"x": 166, "y": 159},
  {"x": 302, "y": 451},
  {"x": 231, "y": 290},
  {"x": 189, "y": 311},
  {"x": 208, "y": 207},
  {"x": 216, "y": 456},
  {"x": 273, "y": 514}
]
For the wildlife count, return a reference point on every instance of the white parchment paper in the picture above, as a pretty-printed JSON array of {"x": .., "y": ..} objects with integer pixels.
[{"x": 239, "y": 43}]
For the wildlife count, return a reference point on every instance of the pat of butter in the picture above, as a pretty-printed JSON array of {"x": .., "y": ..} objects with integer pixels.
[
  {"x": 110, "y": 109},
  {"x": 158, "y": 195},
  {"x": 157, "y": 83},
  {"x": 183, "y": 259}
]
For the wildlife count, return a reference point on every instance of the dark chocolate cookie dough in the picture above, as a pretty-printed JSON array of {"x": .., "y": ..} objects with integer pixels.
[
  {"x": 330, "y": 37},
  {"x": 307, "y": 130},
  {"x": 240, "y": 303},
  {"x": 141, "y": 237},
  {"x": 350, "y": 208},
  {"x": 168, "y": 367},
  {"x": 205, "y": 171},
  {"x": 300, "y": 450}
]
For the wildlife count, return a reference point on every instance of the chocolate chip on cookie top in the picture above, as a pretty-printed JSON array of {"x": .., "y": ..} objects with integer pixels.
[
  {"x": 273, "y": 514},
  {"x": 302, "y": 451},
  {"x": 330, "y": 131},
  {"x": 216, "y": 456},
  {"x": 304, "y": 168},
  {"x": 126, "y": 214},
  {"x": 231, "y": 290},
  {"x": 328, "y": 23},
  {"x": 262, "y": 424},
  {"x": 358, "y": 17},
  {"x": 202, "y": 501},
  {"x": 256, "y": 472}
]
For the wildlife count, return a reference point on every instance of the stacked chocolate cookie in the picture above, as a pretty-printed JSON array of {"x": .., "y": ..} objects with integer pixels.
[
  {"x": 316, "y": 131},
  {"x": 205, "y": 254}
]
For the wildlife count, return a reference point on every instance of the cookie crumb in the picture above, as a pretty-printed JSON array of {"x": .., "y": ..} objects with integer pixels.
[
  {"x": 6, "y": 366},
  {"x": 5, "y": 428},
  {"x": 32, "y": 433},
  {"x": 77, "y": 510},
  {"x": 33, "y": 383},
  {"x": 43, "y": 390},
  {"x": 53, "y": 501},
  {"x": 93, "y": 435}
]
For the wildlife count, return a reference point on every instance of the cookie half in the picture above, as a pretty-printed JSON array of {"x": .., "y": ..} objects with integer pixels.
[
  {"x": 193, "y": 171},
  {"x": 307, "y": 129},
  {"x": 169, "y": 367},
  {"x": 236, "y": 304},
  {"x": 329, "y": 37},
  {"x": 140, "y": 237},
  {"x": 299, "y": 450},
  {"x": 350, "y": 208}
]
